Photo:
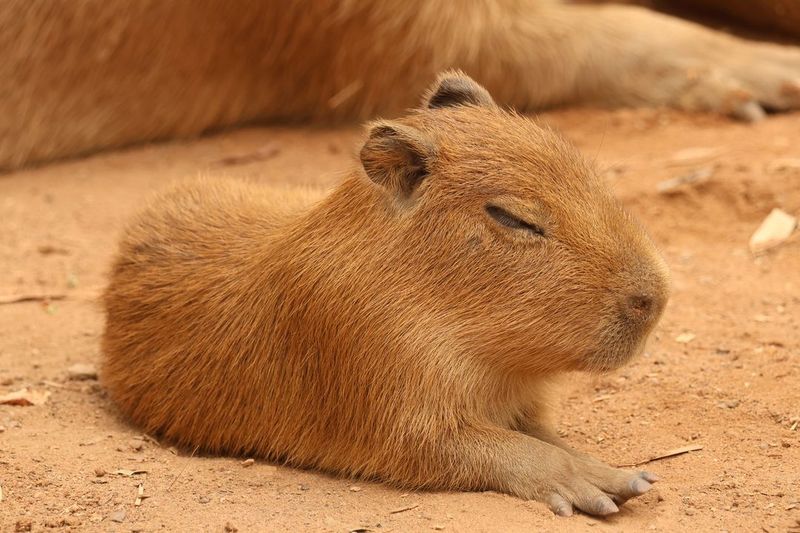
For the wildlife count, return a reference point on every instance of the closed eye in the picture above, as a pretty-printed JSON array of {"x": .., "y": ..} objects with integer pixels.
[{"x": 510, "y": 221}]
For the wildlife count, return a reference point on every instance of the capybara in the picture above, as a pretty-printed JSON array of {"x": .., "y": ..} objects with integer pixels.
[
  {"x": 79, "y": 76},
  {"x": 408, "y": 326}
]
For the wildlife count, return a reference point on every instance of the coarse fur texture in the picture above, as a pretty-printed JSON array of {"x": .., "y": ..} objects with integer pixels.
[
  {"x": 407, "y": 326},
  {"x": 80, "y": 76}
]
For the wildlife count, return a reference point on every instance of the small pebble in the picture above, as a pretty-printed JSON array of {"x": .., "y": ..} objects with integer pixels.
[
  {"x": 248, "y": 462},
  {"x": 117, "y": 516},
  {"x": 99, "y": 472}
]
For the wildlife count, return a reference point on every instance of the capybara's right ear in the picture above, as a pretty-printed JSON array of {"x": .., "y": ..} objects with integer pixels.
[
  {"x": 396, "y": 156},
  {"x": 454, "y": 88}
]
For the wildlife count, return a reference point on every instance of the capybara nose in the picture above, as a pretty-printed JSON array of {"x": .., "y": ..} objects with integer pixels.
[{"x": 642, "y": 307}]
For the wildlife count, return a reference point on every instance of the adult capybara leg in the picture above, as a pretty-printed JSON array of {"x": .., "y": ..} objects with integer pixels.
[
  {"x": 640, "y": 57},
  {"x": 79, "y": 76}
]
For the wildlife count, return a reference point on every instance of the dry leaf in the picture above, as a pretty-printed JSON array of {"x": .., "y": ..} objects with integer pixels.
[
  {"x": 25, "y": 397},
  {"x": 128, "y": 473},
  {"x": 775, "y": 229}
]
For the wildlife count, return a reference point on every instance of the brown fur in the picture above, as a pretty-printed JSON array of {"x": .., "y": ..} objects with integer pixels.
[
  {"x": 391, "y": 329},
  {"x": 78, "y": 76}
]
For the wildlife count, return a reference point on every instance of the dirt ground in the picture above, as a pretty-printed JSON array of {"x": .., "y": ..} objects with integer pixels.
[{"x": 722, "y": 371}]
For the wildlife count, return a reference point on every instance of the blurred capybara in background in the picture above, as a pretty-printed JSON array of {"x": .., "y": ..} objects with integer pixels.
[
  {"x": 407, "y": 326},
  {"x": 83, "y": 75}
]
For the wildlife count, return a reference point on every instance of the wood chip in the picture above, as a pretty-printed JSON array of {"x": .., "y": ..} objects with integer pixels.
[
  {"x": 685, "y": 338},
  {"x": 404, "y": 509},
  {"x": 692, "y": 179},
  {"x": 140, "y": 495},
  {"x": 672, "y": 453},
  {"x": 25, "y": 397},
  {"x": 773, "y": 231},
  {"x": 23, "y": 298},
  {"x": 82, "y": 371}
]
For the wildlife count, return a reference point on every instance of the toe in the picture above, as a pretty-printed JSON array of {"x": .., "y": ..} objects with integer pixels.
[
  {"x": 775, "y": 89},
  {"x": 750, "y": 111},
  {"x": 559, "y": 505},
  {"x": 621, "y": 485},
  {"x": 638, "y": 486},
  {"x": 649, "y": 476},
  {"x": 594, "y": 502}
]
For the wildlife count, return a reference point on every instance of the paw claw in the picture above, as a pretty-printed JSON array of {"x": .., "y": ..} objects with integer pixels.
[
  {"x": 563, "y": 510},
  {"x": 639, "y": 486},
  {"x": 604, "y": 506},
  {"x": 649, "y": 476},
  {"x": 750, "y": 112},
  {"x": 559, "y": 505}
]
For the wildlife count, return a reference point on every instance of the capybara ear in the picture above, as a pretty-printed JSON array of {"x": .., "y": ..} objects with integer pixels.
[
  {"x": 454, "y": 88},
  {"x": 396, "y": 156}
]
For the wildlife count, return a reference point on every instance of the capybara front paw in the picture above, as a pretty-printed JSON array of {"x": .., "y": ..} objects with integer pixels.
[
  {"x": 737, "y": 78},
  {"x": 597, "y": 489}
]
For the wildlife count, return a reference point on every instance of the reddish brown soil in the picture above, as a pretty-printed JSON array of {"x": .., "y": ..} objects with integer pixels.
[{"x": 734, "y": 389}]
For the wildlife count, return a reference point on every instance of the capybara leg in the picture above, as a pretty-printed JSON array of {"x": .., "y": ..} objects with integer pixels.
[
  {"x": 639, "y": 57},
  {"x": 508, "y": 461}
]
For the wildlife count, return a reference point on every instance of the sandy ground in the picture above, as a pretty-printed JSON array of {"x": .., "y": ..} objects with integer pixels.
[{"x": 732, "y": 389}]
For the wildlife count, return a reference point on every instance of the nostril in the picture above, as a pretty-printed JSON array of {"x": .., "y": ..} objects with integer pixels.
[{"x": 640, "y": 304}]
